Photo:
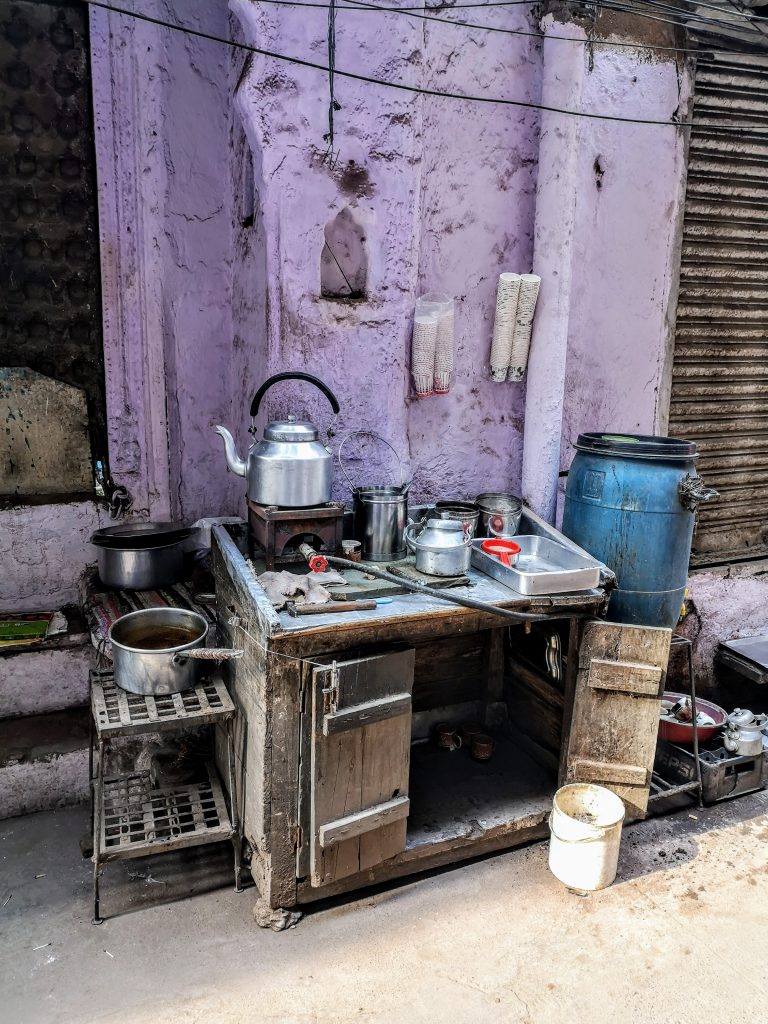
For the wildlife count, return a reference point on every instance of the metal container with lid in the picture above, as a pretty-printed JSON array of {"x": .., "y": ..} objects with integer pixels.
[
  {"x": 443, "y": 547},
  {"x": 500, "y": 514},
  {"x": 289, "y": 467},
  {"x": 631, "y": 501}
]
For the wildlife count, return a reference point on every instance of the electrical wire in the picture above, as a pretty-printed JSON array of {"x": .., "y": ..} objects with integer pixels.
[
  {"x": 359, "y": 6},
  {"x": 413, "y": 89}
]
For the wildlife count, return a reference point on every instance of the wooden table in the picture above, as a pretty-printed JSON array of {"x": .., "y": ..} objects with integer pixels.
[{"x": 343, "y": 785}]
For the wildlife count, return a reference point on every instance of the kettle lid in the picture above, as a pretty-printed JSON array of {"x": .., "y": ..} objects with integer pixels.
[{"x": 290, "y": 430}]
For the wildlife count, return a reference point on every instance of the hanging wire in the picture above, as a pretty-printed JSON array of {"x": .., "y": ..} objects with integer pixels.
[
  {"x": 359, "y": 6},
  {"x": 419, "y": 90},
  {"x": 333, "y": 106}
]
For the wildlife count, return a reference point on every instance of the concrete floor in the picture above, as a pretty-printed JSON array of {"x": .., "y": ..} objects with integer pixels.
[{"x": 681, "y": 937}]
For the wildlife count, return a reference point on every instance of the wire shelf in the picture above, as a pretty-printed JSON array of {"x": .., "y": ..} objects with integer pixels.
[
  {"x": 119, "y": 713},
  {"x": 138, "y": 820}
]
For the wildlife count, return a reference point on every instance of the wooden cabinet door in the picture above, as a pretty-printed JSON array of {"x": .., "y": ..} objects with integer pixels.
[
  {"x": 617, "y": 700},
  {"x": 360, "y": 744}
]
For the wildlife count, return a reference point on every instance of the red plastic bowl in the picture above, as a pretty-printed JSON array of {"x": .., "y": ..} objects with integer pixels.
[{"x": 682, "y": 732}]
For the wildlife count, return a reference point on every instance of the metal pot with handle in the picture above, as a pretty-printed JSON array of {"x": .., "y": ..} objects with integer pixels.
[
  {"x": 380, "y": 513},
  {"x": 162, "y": 650},
  {"x": 289, "y": 467},
  {"x": 443, "y": 546}
]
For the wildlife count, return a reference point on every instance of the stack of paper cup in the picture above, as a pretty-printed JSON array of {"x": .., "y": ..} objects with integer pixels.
[
  {"x": 521, "y": 340},
  {"x": 423, "y": 353},
  {"x": 504, "y": 325},
  {"x": 432, "y": 350},
  {"x": 444, "y": 351}
]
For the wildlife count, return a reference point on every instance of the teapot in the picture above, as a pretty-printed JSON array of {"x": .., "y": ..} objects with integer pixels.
[
  {"x": 743, "y": 733},
  {"x": 289, "y": 466}
]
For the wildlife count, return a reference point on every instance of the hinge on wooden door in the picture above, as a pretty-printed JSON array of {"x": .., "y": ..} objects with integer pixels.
[
  {"x": 331, "y": 693},
  {"x": 297, "y": 837}
]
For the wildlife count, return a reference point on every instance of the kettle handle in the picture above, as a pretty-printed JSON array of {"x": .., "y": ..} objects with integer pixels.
[{"x": 290, "y": 375}]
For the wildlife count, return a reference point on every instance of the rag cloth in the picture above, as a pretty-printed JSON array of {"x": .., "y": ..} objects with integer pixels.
[{"x": 281, "y": 587}]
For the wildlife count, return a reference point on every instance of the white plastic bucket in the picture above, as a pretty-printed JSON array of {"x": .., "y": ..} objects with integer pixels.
[{"x": 585, "y": 827}]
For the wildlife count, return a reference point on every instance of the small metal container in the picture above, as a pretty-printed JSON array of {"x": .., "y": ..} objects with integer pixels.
[
  {"x": 162, "y": 650},
  {"x": 140, "y": 568},
  {"x": 441, "y": 545},
  {"x": 381, "y": 514},
  {"x": 500, "y": 514},
  {"x": 466, "y": 512}
]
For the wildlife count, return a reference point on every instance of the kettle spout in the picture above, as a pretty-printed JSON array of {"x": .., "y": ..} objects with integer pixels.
[{"x": 234, "y": 462}]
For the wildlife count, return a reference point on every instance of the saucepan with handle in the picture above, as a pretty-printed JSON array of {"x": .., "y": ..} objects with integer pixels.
[{"x": 162, "y": 650}]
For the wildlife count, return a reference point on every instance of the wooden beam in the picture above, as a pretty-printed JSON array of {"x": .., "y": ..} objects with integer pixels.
[{"x": 364, "y": 821}]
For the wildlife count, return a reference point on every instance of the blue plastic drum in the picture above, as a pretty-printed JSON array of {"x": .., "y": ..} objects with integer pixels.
[{"x": 631, "y": 501}]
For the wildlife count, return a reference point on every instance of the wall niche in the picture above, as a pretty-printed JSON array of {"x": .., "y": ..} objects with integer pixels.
[{"x": 344, "y": 260}]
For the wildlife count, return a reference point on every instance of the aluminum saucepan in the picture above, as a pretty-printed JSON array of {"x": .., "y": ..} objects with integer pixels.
[{"x": 162, "y": 650}]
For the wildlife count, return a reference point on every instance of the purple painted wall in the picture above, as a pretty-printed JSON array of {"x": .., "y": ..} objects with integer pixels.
[{"x": 444, "y": 191}]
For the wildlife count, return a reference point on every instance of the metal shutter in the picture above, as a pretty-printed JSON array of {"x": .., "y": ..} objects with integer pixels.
[{"x": 720, "y": 371}]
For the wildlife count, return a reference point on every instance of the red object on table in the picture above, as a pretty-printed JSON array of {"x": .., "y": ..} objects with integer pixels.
[{"x": 505, "y": 550}]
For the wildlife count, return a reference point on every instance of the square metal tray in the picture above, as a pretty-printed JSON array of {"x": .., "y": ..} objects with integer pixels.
[{"x": 543, "y": 567}]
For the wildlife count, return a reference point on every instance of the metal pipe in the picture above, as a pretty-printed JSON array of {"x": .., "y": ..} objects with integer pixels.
[{"x": 442, "y": 595}]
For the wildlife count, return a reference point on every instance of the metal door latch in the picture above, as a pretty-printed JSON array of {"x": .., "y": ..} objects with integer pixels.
[{"x": 331, "y": 693}]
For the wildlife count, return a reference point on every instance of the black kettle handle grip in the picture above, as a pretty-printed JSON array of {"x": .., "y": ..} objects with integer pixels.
[{"x": 293, "y": 376}]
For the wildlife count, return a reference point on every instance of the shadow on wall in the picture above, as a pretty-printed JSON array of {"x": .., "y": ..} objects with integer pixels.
[{"x": 343, "y": 260}]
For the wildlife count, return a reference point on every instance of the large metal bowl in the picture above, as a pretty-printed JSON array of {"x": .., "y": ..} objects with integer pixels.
[
  {"x": 141, "y": 568},
  {"x": 500, "y": 514},
  {"x": 682, "y": 732}
]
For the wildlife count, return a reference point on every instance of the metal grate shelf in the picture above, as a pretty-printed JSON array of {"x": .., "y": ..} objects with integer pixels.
[
  {"x": 138, "y": 820},
  {"x": 119, "y": 713}
]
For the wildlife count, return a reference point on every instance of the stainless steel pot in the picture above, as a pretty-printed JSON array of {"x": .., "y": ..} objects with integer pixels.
[
  {"x": 380, "y": 513},
  {"x": 289, "y": 466},
  {"x": 443, "y": 547},
  {"x": 500, "y": 514},
  {"x": 162, "y": 650},
  {"x": 466, "y": 512},
  {"x": 140, "y": 568}
]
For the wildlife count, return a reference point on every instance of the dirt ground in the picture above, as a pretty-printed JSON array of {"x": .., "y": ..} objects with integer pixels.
[{"x": 681, "y": 937}]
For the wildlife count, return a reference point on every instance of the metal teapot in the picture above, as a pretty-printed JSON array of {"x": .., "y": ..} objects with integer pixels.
[
  {"x": 289, "y": 466},
  {"x": 443, "y": 547},
  {"x": 743, "y": 733}
]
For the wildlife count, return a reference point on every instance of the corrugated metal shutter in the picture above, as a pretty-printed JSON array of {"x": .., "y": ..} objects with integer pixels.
[{"x": 720, "y": 371}]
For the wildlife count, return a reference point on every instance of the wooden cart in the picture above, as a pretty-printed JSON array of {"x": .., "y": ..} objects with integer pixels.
[{"x": 343, "y": 787}]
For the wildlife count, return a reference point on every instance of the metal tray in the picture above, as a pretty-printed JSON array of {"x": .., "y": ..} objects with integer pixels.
[{"x": 543, "y": 567}]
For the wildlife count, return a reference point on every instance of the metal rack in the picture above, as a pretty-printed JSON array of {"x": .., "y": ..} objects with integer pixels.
[
  {"x": 129, "y": 817},
  {"x": 660, "y": 788}
]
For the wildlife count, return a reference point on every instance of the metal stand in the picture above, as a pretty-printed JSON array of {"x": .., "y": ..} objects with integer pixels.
[
  {"x": 130, "y": 818},
  {"x": 661, "y": 790}
]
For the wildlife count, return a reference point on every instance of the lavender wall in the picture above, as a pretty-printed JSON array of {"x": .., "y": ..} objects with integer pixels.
[{"x": 444, "y": 192}]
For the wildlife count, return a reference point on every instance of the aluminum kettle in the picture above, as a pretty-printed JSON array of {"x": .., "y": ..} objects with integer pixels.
[{"x": 289, "y": 466}]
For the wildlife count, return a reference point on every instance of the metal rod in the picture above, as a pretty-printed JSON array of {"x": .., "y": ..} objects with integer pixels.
[
  {"x": 692, "y": 681},
  {"x": 237, "y": 838},
  {"x": 464, "y": 602}
]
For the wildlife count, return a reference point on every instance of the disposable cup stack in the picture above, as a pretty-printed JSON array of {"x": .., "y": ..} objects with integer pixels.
[
  {"x": 432, "y": 347},
  {"x": 423, "y": 353},
  {"x": 521, "y": 339},
  {"x": 444, "y": 352},
  {"x": 504, "y": 325}
]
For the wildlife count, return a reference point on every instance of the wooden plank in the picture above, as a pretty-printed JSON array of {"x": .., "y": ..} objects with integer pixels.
[
  {"x": 624, "y": 677},
  {"x": 363, "y": 821},
  {"x": 283, "y": 771},
  {"x": 358, "y": 768},
  {"x": 365, "y": 714},
  {"x": 613, "y": 731},
  {"x": 603, "y": 771},
  {"x": 448, "y": 671},
  {"x": 386, "y": 766}
]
